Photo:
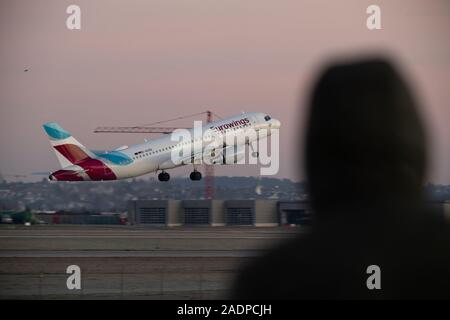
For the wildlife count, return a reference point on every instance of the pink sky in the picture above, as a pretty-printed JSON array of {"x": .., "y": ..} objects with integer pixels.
[{"x": 136, "y": 62}]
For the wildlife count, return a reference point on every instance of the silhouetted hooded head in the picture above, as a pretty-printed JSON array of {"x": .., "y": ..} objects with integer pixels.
[{"x": 365, "y": 143}]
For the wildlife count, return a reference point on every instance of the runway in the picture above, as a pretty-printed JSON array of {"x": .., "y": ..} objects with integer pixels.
[
  {"x": 124, "y": 254},
  {"x": 123, "y": 262}
]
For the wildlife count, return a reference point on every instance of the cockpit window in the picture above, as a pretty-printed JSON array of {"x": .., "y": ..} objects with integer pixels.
[{"x": 267, "y": 118}]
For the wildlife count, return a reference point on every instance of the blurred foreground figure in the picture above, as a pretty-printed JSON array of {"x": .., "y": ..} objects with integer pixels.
[{"x": 365, "y": 167}]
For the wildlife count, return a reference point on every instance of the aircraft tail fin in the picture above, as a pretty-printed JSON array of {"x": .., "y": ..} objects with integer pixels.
[{"x": 68, "y": 150}]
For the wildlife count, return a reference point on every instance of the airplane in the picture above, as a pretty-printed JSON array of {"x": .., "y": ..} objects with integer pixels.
[{"x": 81, "y": 164}]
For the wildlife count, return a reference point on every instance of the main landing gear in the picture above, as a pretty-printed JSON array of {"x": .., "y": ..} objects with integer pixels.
[
  {"x": 163, "y": 176},
  {"x": 195, "y": 175}
]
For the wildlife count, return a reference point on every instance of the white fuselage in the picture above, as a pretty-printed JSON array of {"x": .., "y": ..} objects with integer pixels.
[{"x": 181, "y": 147}]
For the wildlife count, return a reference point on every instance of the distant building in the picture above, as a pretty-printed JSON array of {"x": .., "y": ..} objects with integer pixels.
[
  {"x": 80, "y": 218},
  {"x": 258, "y": 213}
]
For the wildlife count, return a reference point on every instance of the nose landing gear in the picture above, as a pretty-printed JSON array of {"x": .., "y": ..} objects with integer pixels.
[{"x": 195, "y": 175}]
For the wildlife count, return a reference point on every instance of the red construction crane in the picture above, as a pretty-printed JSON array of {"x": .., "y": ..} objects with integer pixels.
[
  {"x": 148, "y": 128},
  {"x": 209, "y": 169}
]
